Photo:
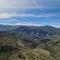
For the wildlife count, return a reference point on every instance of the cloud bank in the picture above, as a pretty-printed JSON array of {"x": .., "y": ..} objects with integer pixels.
[
  {"x": 23, "y": 15},
  {"x": 35, "y": 16}
]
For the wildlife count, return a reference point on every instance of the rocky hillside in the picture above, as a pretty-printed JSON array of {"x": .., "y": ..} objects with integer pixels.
[{"x": 29, "y": 43}]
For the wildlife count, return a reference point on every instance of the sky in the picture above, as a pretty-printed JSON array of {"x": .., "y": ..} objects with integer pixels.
[
  {"x": 29, "y": 3},
  {"x": 30, "y": 12}
]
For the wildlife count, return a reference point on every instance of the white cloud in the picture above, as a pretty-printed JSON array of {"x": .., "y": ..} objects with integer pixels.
[
  {"x": 8, "y": 15},
  {"x": 22, "y": 23},
  {"x": 27, "y": 23}
]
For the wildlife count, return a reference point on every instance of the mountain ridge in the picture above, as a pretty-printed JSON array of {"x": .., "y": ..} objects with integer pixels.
[{"x": 30, "y": 31}]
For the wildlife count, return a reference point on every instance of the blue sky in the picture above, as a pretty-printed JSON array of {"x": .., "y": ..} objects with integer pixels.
[
  {"x": 30, "y": 12},
  {"x": 29, "y": 3}
]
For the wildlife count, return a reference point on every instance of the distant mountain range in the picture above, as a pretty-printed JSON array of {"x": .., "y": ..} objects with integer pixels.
[{"x": 30, "y": 31}]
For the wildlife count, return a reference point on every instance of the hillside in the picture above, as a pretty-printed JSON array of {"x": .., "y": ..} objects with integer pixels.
[
  {"x": 29, "y": 43},
  {"x": 35, "y": 31}
]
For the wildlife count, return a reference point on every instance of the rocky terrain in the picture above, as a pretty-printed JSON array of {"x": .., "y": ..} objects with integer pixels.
[{"x": 29, "y": 43}]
